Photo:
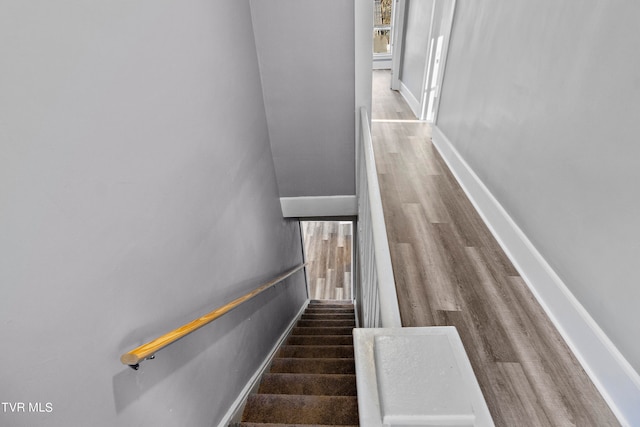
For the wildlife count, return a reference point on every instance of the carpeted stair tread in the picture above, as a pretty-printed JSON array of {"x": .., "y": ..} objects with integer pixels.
[
  {"x": 300, "y": 409},
  {"x": 315, "y": 351},
  {"x": 319, "y": 340},
  {"x": 328, "y": 315},
  {"x": 317, "y": 323},
  {"x": 313, "y": 366},
  {"x": 331, "y": 301},
  {"x": 286, "y": 425},
  {"x": 309, "y": 384},
  {"x": 325, "y": 330},
  {"x": 334, "y": 316},
  {"x": 330, "y": 306}
]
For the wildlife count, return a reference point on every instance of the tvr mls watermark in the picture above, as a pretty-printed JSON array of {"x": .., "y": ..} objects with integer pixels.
[{"x": 27, "y": 407}]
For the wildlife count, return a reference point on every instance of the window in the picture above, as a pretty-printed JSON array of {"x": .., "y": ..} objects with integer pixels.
[{"x": 382, "y": 27}]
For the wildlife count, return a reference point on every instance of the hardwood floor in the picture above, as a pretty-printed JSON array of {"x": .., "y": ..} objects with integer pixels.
[
  {"x": 390, "y": 104},
  {"x": 327, "y": 247},
  {"x": 449, "y": 270}
]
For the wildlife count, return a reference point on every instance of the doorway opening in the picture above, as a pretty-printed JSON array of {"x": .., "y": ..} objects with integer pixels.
[{"x": 328, "y": 251}]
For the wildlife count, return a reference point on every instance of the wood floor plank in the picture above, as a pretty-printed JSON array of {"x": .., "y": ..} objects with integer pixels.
[
  {"x": 482, "y": 364},
  {"x": 553, "y": 369},
  {"x": 339, "y": 266},
  {"x": 393, "y": 106},
  {"x": 429, "y": 253},
  {"x": 328, "y": 251},
  {"x": 318, "y": 291},
  {"x": 397, "y": 227},
  {"x": 346, "y": 291},
  {"x": 412, "y": 284},
  {"x": 519, "y": 397}
]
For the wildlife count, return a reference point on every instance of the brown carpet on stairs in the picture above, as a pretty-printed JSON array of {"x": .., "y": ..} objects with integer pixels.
[{"x": 311, "y": 381}]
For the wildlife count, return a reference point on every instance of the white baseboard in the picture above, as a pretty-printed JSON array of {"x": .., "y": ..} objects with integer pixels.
[
  {"x": 614, "y": 377},
  {"x": 412, "y": 101},
  {"x": 318, "y": 206},
  {"x": 237, "y": 406}
]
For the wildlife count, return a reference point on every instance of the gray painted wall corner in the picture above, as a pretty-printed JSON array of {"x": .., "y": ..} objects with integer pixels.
[{"x": 307, "y": 69}]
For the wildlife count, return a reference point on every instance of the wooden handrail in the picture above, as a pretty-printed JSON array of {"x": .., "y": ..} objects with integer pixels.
[{"x": 148, "y": 350}]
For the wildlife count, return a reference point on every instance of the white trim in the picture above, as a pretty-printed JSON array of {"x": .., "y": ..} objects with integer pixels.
[
  {"x": 425, "y": 88},
  {"x": 363, "y": 45},
  {"x": 237, "y": 406},
  {"x": 443, "y": 62},
  {"x": 304, "y": 260},
  {"x": 397, "y": 30},
  {"x": 416, "y": 121},
  {"x": 383, "y": 63},
  {"x": 427, "y": 67},
  {"x": 296, "y": 207},
  {"x": 611, "y": 373},
  {"x": 413, "y": 103}
]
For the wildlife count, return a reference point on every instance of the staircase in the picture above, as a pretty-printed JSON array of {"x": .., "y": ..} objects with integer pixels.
[{"x": 312, "y": 379}]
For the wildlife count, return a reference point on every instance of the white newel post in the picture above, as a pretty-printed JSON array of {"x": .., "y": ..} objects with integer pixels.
[{"x": 416, "y": 377}]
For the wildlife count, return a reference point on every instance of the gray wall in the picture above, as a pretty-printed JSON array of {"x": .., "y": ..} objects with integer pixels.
[
  {"x": 542, "y": 100},
  {"x": 415, "y": 47},
  {"x": 306, "y": 54},
  {"x": 137, "y": 192}
]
